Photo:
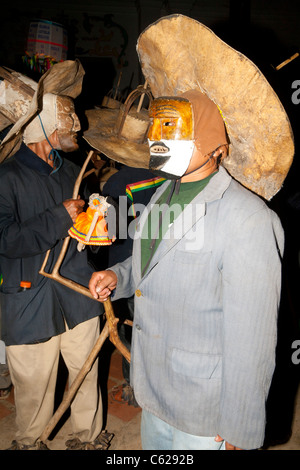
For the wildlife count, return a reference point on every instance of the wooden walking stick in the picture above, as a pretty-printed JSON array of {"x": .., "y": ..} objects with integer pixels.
[
  {"x": 75, "y": 384},
  {"x": 109, "y": 329}
]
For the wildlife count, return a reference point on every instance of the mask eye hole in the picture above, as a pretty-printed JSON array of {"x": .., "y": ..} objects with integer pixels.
[{"x": 169, "y": 124}]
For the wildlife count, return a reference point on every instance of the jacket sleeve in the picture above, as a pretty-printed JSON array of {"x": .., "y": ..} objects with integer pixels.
[
  {"x": 251, "y": 294},
  {"x": 125, "y": 287},
  {"x": 32, "y": 236}
]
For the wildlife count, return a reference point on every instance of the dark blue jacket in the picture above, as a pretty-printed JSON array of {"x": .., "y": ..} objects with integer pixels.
[
  {"x": 32, "y": 220},
  {"x": 116, "y": 187}
]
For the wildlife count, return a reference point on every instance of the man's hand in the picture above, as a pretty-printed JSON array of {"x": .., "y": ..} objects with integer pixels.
[
  {"x": 102, "y": 283},
  {"x": 227, "y": 445},
  {"x": 74, "y": 207}
]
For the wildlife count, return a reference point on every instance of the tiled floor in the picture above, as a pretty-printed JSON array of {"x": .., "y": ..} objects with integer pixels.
[{"x": 123, "y": 420}]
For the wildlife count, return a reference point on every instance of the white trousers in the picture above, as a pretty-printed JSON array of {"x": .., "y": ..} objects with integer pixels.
[{"x": 33, "y": 370}]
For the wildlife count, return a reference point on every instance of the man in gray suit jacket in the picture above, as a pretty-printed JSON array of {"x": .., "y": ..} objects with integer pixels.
[{"x": 206, "y": 274}]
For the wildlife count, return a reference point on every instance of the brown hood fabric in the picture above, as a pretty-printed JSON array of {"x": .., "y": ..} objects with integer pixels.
[{"x": 209, "y": 129}]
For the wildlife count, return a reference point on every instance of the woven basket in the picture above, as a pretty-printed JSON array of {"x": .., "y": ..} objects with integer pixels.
[
  {"x": 110, "y": 101},
  {"x": 133, "y": 121}
]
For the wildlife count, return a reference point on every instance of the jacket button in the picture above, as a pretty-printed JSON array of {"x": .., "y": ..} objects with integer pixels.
[{"x": 138, "y": 293}]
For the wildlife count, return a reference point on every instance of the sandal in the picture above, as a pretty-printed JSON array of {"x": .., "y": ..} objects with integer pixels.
[
  {"x": 36, "y": 446},
  {"x": 102, "y": 442}
]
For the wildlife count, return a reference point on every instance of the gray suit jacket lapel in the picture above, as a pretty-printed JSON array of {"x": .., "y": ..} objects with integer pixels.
[{"x": 183, "y": 223}]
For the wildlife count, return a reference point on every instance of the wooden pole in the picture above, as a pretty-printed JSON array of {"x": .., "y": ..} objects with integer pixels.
[
  {"x": 75, "y": 385},
  {"x": 142, "y": 97}
]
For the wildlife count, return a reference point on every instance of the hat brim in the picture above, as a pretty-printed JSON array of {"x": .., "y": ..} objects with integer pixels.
[
  {"x": 64, "y": 78},
  {"x": 102, "y": 137},
  {"x": 178, "y": 53}
]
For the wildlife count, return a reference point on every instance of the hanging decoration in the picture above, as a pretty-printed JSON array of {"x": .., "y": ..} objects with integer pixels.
[{"x": 47, "y": 44}]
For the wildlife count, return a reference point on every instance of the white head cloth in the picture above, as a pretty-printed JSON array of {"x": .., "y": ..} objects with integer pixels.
[{"x": 34, "y": 131}]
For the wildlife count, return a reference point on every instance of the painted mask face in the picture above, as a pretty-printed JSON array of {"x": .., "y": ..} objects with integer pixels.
[
  {"x": 67, "y": 124},
  {"x": 171, "y": 136}
]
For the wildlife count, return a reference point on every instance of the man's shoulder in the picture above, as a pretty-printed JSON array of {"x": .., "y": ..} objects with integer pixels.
[
  {"x": 244, "y": 197},
  {"x": 239, "y": 203},
  {"x": 231, "y": 193}
]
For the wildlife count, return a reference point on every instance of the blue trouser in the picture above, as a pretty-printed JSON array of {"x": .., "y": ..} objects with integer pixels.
[{"x": 158, "y": 435}]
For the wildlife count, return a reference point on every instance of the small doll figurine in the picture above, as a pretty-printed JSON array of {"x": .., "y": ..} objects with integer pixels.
[{"x": 91, "y": 227}]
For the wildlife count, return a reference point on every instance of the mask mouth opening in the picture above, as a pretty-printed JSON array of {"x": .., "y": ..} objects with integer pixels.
[{"x": 159, "y": 148}]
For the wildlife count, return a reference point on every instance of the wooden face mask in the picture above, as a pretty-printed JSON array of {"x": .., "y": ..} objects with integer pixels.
[
  {"x": 171, "y": 136},
  {"x": 67, "y": 124}
]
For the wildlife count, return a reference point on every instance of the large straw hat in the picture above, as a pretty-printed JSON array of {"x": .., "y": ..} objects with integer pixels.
[
  {"x": 21, "y": 97},
  {"x": 178, "y": 53},
  {"x": 121, "y": 134}
]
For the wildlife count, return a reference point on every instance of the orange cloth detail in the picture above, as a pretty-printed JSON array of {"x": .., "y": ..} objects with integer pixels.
[{"x": 82, "y": 225}]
